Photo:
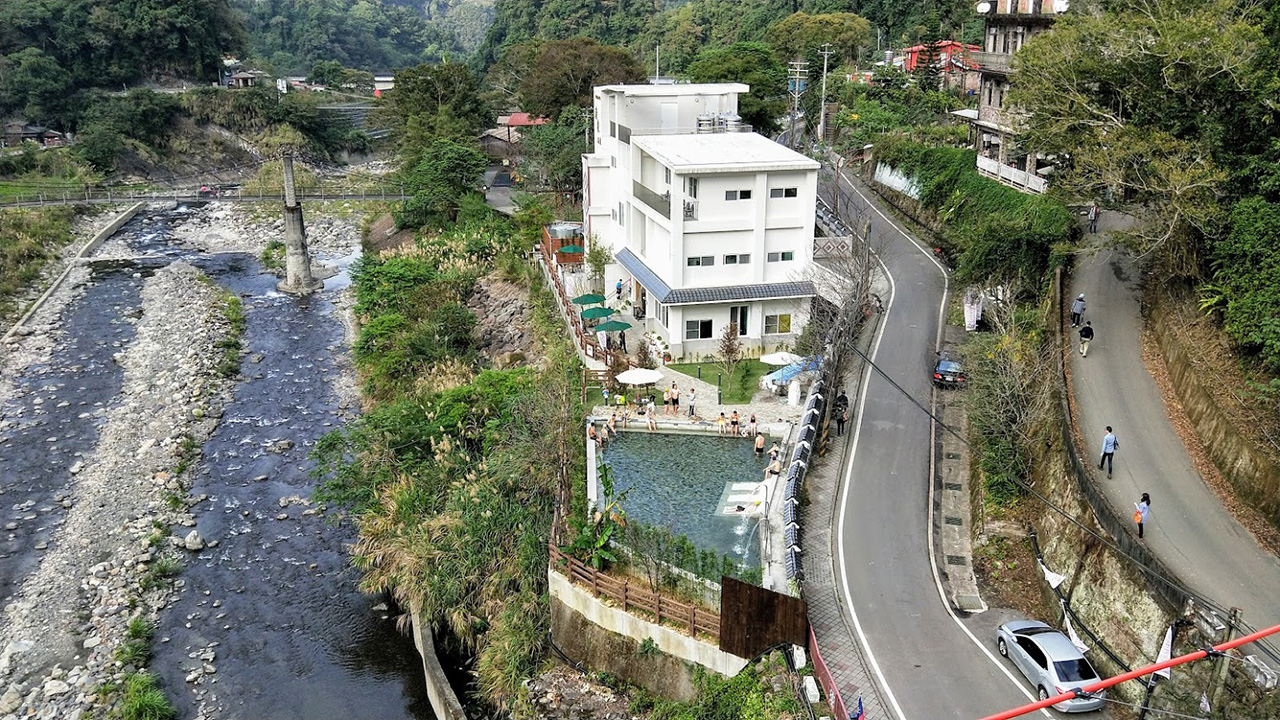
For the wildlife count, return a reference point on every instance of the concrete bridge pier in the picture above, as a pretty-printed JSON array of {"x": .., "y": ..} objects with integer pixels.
[{"x": 299, "y": 279}]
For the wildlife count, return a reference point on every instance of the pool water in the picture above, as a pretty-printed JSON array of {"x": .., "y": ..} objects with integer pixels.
[{"x": 683, "y": 482}]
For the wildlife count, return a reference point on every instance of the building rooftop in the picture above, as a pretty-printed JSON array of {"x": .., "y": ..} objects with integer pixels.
[
  {"x": 722, "y": 152},
  {"x": 675, "y": 89}
]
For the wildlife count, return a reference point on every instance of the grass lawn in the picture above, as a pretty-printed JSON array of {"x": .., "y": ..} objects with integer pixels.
[{"x": 744, "y": 384}]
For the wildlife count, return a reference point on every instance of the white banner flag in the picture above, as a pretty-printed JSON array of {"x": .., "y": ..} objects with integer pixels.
[
  {"x": 1071, "y": 632},
  {"x": 1051, "y": 577},
  {"x": 1166, "y": 652}
]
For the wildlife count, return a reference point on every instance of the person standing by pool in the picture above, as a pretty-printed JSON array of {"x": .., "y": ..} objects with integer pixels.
[
  {"x": 675, "y": 399},
  {"x": 693, "y": 399},
  {"x": 666, "y": 401},
  {"x": 733, "y": 423},
  {"x": 720, "y": 421},
  {"x": 753, "y": 427},
  {"x": 759, "y": 444},
  {"x": 652, "y": 417}
]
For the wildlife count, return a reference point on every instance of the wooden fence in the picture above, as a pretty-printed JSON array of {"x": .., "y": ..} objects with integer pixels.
[
  {"x": 640, "y": 601},
  {"x": 586, "y": 340}
]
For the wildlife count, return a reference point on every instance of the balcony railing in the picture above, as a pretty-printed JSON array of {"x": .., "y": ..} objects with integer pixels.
[
  {"x": 661, "y": 203},
  {"x": 1020, "y": 179},
  {"x": 991, "y": 61}
]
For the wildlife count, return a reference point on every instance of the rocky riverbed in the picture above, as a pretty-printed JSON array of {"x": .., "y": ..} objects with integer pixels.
[
  {"x": 104, "y": 396},
  {"x": 66, "y": 619}
]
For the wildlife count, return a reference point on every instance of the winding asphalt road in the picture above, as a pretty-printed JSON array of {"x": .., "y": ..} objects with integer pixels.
[
  {"x": 930, "y": 663},
  {"x": 1187, "y": 528}
]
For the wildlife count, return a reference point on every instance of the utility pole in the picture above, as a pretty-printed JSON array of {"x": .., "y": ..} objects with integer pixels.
[
  {"x": 797, "y": 72},
  {"x": 826, "y": 52}
]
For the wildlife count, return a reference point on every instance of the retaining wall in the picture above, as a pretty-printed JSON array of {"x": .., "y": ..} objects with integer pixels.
[
  {"x": 444, "y": 701},
  {"x": 1253, "y": 475},
  {"x": 609, "y": 640},
  {"x": 88, "y": 247}
]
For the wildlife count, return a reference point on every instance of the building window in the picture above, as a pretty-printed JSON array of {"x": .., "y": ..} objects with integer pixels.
[
  {"x": 780, "y": 256},
  {"x": 784, "y": 192},
  {"x": 666, "y": 174},
  {"x": 697, "y": 329},
  {"x": 691, "y": 187},
  {"x": 777, "y": 324},
  {"x": 737, "y": 194},
  {"x": 738, "y": 316},
  {"x": 703, "y": 261},
  {"x": 739, "y": 259},
  {"x": 613, "y": 129},
  {"x": 613, "y": 161},
  {"x": 622, "y": 215}
]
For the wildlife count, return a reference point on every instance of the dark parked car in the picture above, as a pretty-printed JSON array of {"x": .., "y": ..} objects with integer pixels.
[
  {"x": 1048, "y": 659},
  {"x": 948, "y": 372}
]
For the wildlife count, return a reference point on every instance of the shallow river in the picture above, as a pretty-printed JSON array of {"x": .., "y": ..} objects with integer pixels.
[{"x": 276, "y": 599}]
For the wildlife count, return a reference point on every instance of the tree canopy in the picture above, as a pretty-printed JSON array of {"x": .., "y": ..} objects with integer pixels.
[
  {"x": 445, "y": 173},
  {"x": 752, "y": 63},
  {"x": 435, "y": 101},
  {"x": 568, "y": 70},
  {"x": 800, "y": 34},
  {"x": 1157, "y": 101}
]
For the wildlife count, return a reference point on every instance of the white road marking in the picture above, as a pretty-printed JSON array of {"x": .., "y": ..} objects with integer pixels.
[{"x": 848, "y": 480}]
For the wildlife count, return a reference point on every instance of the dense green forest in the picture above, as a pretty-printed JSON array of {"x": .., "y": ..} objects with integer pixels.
[
  {"x": 682, "y": 28},
  {"x": 291, "y": 35}
]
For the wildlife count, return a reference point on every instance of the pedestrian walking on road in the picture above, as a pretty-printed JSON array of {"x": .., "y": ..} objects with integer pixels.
[
  {"x": 1140, "y": 510},
  {"x": 1093, "y": 217},
  {"x": 842, "y": 416},
  {"x": 1077, "y": 310},
  {"x": 1109, "y": 445},
  {"x": 1086, "y": 334},
  {"x": 622, "y": 342}
]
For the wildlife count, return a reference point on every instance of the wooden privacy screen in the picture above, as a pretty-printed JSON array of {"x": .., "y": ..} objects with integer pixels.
[{"x": 753, "y": 619}]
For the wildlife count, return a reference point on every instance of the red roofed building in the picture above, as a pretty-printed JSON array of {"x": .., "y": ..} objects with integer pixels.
[
  {"x": 521, "y": 119},
  {"x": 952, "y": 59}
]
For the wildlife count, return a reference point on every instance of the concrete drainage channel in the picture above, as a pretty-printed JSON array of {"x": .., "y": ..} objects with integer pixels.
[{"x": 266, "y": 621}]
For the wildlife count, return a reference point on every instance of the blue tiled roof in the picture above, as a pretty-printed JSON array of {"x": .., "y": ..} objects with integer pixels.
[{"x": 728, "y": 293}]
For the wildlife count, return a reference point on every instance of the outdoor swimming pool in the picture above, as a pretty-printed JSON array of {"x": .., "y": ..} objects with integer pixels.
[{"x": 683, "y": 482}]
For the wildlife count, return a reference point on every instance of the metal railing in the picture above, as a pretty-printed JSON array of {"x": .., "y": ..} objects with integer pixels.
[
  {"x": 589, "y": 347},
  {"x": 96, "y": 196}
]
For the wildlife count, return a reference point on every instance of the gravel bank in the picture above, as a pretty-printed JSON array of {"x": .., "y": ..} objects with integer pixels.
[{"x": 59, "y": 633}]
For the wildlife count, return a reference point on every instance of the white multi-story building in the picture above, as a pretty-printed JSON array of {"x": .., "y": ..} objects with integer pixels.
[{"x": 708, "y": 223}]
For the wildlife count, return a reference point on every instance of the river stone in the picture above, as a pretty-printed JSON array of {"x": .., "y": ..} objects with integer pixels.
[
  {"x": 193, "y": 541},
  {"x": 11, "y": 700},
  {"x": 92, "y": 642},
  {"x": 55, "y": 687}
]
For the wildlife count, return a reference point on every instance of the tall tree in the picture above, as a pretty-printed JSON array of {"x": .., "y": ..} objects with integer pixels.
[
  {"x": 553, "y": 152},
  {"x": 754, "y": 64},
  {"x": 567, "y": 70},
  {"x": 434, "y": 101},
  {"x": 445, "y": 173},
  {"x": 1152, "y": 101},
  {"x": 800, "y": 34}
]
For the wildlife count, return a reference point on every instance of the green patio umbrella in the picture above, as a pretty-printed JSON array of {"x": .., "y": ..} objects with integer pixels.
[
  {"x": 570, "y": 249},
  {"x": 597, "y": 312},
  {"x": 612, "y": 326},
  {"x": 588, "y": 299}
]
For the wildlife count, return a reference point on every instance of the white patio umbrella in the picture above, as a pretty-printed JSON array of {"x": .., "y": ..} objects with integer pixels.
[
  {"x": 639, "y": 376},
  {"x": 780, "y": 358}
]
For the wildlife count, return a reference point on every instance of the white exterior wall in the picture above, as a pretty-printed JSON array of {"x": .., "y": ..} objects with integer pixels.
[
  {"x": 757, "y": 226},
  {"x": 756, "y": 341}
]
